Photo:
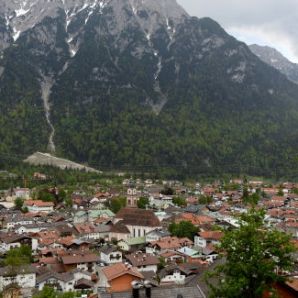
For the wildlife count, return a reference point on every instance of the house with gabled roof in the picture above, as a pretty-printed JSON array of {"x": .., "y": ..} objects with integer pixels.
[
  {"x": 39, "y": 206},
  {"x": 12, "y": 240},
  {"x": 12, "y": 220},
  {"x": 65, "y": 282},
  {"x": 90, "y": 231},
  {"x": 79, "y": 260},
  {"x": 207, "y": 237},
  {"x": 168, "y": 243},
  {"x": 118, "y": 277},
  {"x": 157, "y": 234},
  {"x": 143, "y": 261},
  {"x": 110, "y": 254},
  {"x": 24, "y": 277}
]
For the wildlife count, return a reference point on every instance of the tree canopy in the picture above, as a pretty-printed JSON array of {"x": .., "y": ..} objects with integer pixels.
[
  {"x": 254, "y": 256},
  {"x": 181, "y": 202},
  {"x": 252, "y": 199},
  {"x": 46, "y": 196},
  {"x": 18, "y": 256},
  {"x": 19, "y": 202},
  {"x": 168, "y": 191},
  {"x": 183, "y": 229},
  {"x": 117, "y": 203},
  {"x": 205, "y": 199},
  {"x": 143, "y": 202}
]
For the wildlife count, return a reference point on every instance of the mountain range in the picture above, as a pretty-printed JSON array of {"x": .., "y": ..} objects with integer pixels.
[{"x": 140, "y": 84}]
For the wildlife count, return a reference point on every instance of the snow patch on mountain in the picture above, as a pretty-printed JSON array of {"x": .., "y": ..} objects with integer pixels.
[{"x": 16, "y": 34}]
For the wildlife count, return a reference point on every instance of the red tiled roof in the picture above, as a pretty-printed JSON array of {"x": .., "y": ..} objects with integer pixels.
[
  {"x": 117, "y": 270},
  {"x": 270, "y": 190},
  {"x": 48, "y": 260},
  {"x": 195, "y": 219},
  {"x": 192, "y": 200},
  {"x": 47, "y": 237},
  {"x": 38, "y": 203},
  {"x": 53, "y": 251},
  {"x": 170, "y": 253},
  {"x": 142, "y": 259},
  {"x": 172, "y": 242},
  {"x": 85, "y": 228},
  {"x": 278, "y": 198},
  {"x": 214, "y": 235},
  {"x": 35, "y": 214},
  {"x": 293, "y": 284},
  {"x": 77, "y": 258},
  {"x": 66, "y": 241},
  {"x": 273, "y": 204},
  {"x": 292, "y": 224}
]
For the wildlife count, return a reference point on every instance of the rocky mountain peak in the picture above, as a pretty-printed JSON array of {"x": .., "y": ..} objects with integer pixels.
[
  {"x": 18, "y": 16},
  {"x": 275, "y": 59},
  {"x": 167, "y": 8}
]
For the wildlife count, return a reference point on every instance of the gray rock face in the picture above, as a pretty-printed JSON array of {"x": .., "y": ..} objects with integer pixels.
[
  {"x": 21, "y": 15},
  {"x": 164, "y": 12},
  {"x": 274, "y": 58}
]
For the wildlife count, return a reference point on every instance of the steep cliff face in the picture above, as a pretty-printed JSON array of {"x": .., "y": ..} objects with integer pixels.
[{"x": 138, "y": 83}]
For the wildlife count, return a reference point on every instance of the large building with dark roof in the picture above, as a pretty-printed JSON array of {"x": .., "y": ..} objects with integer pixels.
[{"x": 139, "y": 222}]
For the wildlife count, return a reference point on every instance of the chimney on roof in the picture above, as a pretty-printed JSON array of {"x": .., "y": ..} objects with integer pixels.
[
  {"x": 135, "y": 293},
  {"x": 148, "y": 292},
  {"x": 135, "y": 289}
]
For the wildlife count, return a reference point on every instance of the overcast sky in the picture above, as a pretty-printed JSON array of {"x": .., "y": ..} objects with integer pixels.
[{"x": 266, "y": 22}]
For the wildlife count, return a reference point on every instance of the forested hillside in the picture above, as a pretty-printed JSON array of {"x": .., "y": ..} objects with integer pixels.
[{"x": 143, "y": 85}]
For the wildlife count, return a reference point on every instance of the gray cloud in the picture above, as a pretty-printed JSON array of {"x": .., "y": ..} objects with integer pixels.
[{"x": 271, "y": 22}]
